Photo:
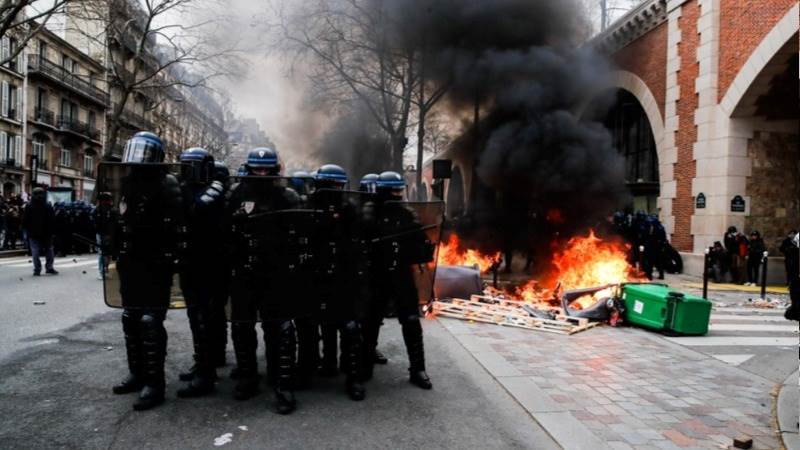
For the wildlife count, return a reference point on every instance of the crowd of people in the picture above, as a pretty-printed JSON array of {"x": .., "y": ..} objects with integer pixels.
[
  {"x": 47, "y": 230},
  {"x": 649, "y": 248},
  {"x": 739, "y": 257},
  {"x": 310, "y": 260},
  {"x": 11, "y": 209}
]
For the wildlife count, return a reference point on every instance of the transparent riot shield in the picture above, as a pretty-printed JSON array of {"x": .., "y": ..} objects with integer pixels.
[
  {"x": 140, "y": 244},
  {"x": 276, "y": 269},
  {"x": 427, "y": 226},
  {"x": 342, "y": 253}
]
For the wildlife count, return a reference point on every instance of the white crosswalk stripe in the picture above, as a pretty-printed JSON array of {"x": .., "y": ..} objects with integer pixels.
[
  {"x": 734, "y": 333},
  {"x": 59, "y": 263}
]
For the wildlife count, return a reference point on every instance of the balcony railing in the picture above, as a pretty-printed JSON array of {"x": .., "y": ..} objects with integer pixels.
[
  {"x": 11, "y": 162},
  {"x": 38, "y": 64},
  {"x": 44, "y": 115},
  {"x": 68, "y": 123}
]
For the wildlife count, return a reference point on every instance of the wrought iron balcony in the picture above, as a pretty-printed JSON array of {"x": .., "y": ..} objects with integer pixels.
[
  {"x": 44, "y": 115},
  {"x": 68, "y": 123},
  {"x": 53, "y": 71}
]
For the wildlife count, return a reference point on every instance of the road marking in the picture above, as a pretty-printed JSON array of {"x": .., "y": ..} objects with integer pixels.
[
  {"x": 5, "y": 262},
  {"x": 734, "y": 360},
  {"x": 750, "y": 310},
  {"x": 742, "y": 318},
  {"x": 752, "y": 327},
  {"x": 66, "y": 264},
  {"x": 727, "y": 341}
]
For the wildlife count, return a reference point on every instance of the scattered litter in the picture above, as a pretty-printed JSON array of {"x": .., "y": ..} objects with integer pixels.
[
  {"x": 243, "y": 427},
  {"x": 226, "y": 438},
  {"x": 74, "y": 260},
  {"x": 95, "y": 430},
  {"x": 84, "y": 272},
  {"x": 39, "y": 302},
  {"x": 109, "y": 348}
]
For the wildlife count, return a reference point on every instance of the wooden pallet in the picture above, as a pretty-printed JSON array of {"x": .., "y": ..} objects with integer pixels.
[{"x": 508, "y": 313}]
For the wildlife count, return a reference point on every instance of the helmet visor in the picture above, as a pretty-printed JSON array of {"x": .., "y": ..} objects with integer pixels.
[{"x": 142, "y": 151}]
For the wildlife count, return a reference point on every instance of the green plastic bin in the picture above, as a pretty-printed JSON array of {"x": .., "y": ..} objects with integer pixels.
[{"x": 658, "y": 307}]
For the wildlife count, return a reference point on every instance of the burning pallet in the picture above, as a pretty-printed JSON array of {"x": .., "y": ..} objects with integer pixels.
[{"x": 512, "y": 313}]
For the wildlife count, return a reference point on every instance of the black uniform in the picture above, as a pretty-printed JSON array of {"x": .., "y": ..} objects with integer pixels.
[
  {"x": 341, "y": 282},
  {"x": 146, "y": 243},
  {"x": 199, "y": 275},
  {"x": 401, "y": 244},
  {"x": 256, "y": 290}
]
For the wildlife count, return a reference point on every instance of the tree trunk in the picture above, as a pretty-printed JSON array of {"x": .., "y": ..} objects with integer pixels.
[{"x": 420, "y": 150}]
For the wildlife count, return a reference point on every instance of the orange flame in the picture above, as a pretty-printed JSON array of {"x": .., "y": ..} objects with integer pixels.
[
  {"x": 451, "y": 253},
  {"x": 590, "y": 261}
]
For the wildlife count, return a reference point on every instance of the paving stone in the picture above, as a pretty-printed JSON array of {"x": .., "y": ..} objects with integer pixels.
[{"x": 618, "y": 445}]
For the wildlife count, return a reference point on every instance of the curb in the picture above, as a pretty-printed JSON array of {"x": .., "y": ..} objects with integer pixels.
[
  {"x": 12, "y": 253},
  {"x": 787, "y": 412}
]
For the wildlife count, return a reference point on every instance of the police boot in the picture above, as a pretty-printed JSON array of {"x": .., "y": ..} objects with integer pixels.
[
  {"x": 307, "y": 352},
  {"x": 352, "y": 359},
  {"x": 412, "y": 336},
  {"x": 190, "y": 374},
  {"x": 203, "y": 381},
  {"x": 330, "y": 360},
  {"x": 371, "y": 329},
  {"x": 154, "y": 350},
  {"x": 134, "y": 381},
  {"x": 287, "y": 345},
  {"x": 245, "y": 342}
]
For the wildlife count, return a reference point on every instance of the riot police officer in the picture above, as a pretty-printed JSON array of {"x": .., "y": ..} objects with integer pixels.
[
  {"x": 145, "y": 243},
  {"x": 341, "y": 279},
  {"x": 303, "y": 184},
  {"x": 250, "y": 291},
  {"x": 205, "y": 206},
  {"x": 400, "y": 243}
]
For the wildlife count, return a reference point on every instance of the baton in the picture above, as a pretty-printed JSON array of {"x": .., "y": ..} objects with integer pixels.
[{"x": 403, "y": 233}]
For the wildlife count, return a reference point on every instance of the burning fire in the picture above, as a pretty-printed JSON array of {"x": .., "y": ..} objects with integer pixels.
[
  {"x": 451, "y": 253},
  {"x": 590, "y": 261},
  {"x": 583, "y": 262}
]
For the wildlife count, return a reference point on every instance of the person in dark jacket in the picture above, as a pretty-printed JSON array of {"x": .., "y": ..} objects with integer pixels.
[
  {"x": 38, "y": 222},
  {"x": 791, "y": 256},
  {"x": 755, "y": 252},
  {"x": 732, "y": 247}
]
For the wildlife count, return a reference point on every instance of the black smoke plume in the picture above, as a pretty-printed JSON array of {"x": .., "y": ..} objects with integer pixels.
[{"x": 522, "y": 71}]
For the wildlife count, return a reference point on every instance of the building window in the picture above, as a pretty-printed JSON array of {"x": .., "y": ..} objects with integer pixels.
[
  {"x": 10, "y": 100},
  {"x": 39, "y": 149},
  {"x": 88, "y": 166},
  {"x": 66, "y": 158}
]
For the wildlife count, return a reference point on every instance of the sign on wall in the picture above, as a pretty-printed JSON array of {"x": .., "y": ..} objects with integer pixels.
[
  {"x": 737, "y": 204},
  {"x": 700, "y": 201}
]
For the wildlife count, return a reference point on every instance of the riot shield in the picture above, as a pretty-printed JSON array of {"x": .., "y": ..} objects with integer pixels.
[
  {"x": 342, "y": 253},
  {"x": 141, "y": 279},
  {"x": 429, "y": 220},
  {"x": 280, "y": 261}
]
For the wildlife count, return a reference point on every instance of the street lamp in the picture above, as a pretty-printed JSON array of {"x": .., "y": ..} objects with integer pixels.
[{"x": 34, "y": 170}]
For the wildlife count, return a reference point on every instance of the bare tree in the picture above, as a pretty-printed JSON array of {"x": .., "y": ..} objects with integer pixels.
[
  {"x": 23, "y": 19},
  {"x": 150, "y": 44},
  {"x": 349, "y": 48}
]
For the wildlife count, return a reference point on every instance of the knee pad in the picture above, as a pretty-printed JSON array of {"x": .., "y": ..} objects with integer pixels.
[{"x": 130, "y": 321}]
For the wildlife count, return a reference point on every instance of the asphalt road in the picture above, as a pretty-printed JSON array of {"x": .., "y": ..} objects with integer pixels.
[{"x": 59, "y": 360}]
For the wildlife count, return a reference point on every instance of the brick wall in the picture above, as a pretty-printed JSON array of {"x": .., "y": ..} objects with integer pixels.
[
  {"x": 647, "y": 58},
  {"x": 686, "y": 135},
  {"x": 774, "y": 186},
  {"x": 743, "y": 24}
]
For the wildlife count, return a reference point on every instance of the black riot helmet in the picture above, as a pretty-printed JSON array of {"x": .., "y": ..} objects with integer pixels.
[
  {"x": 198, "y": 165},
  {"x": 144, "y": 147},
  {"x": 390, "y": 184},
  {"x": 263, "y": 161},
  {"x": 221, "y": 172},
  {"x": 330, "y": 176},
  {"x": 367, "y": 183}
]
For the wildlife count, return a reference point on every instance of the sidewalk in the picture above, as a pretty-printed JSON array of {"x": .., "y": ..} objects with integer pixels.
[
  {"x": 788, "y": 410},
  {"x": 623, "y": 388}
]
